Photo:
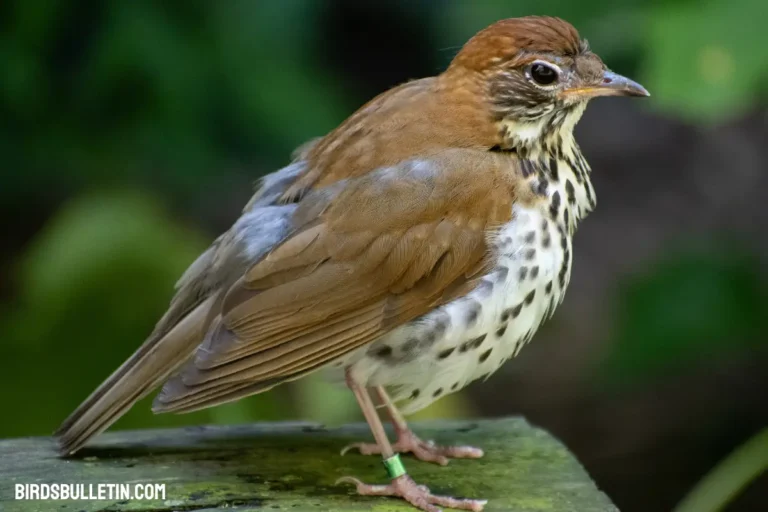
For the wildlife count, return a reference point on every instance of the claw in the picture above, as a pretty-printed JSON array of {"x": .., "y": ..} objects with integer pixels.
[
  {"x": 348, "y": 480},
  {"x": 417, "y": 495},
  {"x": 428, "y": 451},
  {"x": 364, "y": 448}
]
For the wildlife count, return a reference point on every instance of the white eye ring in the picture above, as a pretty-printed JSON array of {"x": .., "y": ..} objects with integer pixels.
[{"x": 541, "y": 81}]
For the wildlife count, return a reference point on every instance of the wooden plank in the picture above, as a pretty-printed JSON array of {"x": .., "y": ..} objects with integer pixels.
[{"x": 293, "y": 466}]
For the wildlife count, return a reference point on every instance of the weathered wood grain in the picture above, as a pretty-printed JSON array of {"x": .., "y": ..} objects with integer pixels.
[{"x": 293, "y": 466}]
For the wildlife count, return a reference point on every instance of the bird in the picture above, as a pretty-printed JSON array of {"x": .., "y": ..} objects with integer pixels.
[{"x": 410, "y": 251}]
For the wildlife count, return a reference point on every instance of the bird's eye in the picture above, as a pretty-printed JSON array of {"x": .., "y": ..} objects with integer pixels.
[{"x": 543, "y": 74}]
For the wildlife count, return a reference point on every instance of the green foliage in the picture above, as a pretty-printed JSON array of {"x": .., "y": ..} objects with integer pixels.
[
  {"x": 724, "y": 482},
  {"x": 693, "y": 306},
  {"x": 183, "y": 87},
  {"x": 706, "y": 59}
]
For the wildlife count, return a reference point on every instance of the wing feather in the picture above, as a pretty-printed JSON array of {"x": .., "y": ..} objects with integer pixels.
[{"x": 387, "y": 248}]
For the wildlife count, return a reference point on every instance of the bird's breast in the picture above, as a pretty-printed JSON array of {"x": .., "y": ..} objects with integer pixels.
[{"x": 472, "y": 336}]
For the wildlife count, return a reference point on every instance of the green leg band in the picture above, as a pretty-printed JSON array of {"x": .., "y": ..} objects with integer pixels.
[{"x": 394, "y": 466}]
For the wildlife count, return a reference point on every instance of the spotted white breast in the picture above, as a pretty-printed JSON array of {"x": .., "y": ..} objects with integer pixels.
[{"x": 471, "y": 337}]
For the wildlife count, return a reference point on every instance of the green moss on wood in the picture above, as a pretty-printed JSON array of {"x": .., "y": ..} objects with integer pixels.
[{"x": 293, "y": 466}]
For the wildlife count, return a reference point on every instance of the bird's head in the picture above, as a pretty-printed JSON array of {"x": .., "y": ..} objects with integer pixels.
[{"x": 537, "y": 74}]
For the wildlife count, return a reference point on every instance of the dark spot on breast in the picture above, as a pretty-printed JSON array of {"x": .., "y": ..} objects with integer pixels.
[
  {"x": 522, "y": 273},
  {"x": 527, "y": 167},
  {"x": 554, "y": 206},
  {"x": 445, "y": 353},
  {"x": 415, "y": 394},
  {"x": 473, "y": 313},
  {"x": 455, "y": 386},
  {"x": 529, "y": 298},
  {"x": 567, "y": 219},
  {"x": 554, "y": 171},
  {"x": 473, "y": 343},
  {"x": 530, "y": 237},
  {"x": 535, "y": 272},
  {"x": 438, "y": 392},
  {"x": 548, "y": 288},
  {"x": 501, "y": 274},
  {"x": 501, "y": 330},
  {"x": 499, "y": 149},
  {"x": 442, "y": 324},
  {"x": 511, "y": 312},
  {"x": 383, "y": 352},
  {"x": 570, "y": 191},
  {"x": 530, "y": 254},
  {"x": 577, "y": 170},
  {"x": 540, "y": 188},
  {"x": 410, "y": 345},
  {"x": 546, "y": 241},
  {"x": 484, "y": 356}
]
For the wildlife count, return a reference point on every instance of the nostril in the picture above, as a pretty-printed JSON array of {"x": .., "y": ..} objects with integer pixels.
[{"x": 607, "y": 80}]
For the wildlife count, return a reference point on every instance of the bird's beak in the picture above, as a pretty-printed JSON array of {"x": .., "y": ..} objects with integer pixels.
[{"x": 612, "y": 85}]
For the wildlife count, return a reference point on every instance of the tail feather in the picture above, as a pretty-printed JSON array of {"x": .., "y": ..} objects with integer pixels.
[{"x": 145, "y": 370}]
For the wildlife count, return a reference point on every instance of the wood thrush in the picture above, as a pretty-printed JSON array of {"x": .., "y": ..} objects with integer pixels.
[{"x": 413, "y": 249}]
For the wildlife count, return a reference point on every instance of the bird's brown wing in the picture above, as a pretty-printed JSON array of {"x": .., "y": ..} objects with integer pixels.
[
  {"x": 198, "y": 298},
  {"x": 368, "y": 254}
]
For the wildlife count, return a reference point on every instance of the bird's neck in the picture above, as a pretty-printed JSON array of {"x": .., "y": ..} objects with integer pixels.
[{"x": 553, "y": 164}]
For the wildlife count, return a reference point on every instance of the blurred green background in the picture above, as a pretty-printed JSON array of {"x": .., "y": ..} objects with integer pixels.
[{"x": 131, "y": 133}]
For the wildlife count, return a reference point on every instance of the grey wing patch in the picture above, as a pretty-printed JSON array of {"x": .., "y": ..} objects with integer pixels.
[
  {"x": 257, "y": 232},
  {"x": 273, "y": 186},
  {"x": 262, "y": 225},
  {"x": 248, "y": 240}
]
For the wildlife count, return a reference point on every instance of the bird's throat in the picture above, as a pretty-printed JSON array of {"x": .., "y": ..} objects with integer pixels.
[{"x": 553, "y": 165}]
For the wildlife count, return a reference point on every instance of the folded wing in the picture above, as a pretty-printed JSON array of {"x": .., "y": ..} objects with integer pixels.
[{"x": 365, "y": 255}]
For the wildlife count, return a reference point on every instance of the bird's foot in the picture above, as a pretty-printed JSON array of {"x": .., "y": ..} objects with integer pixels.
[
  {"x": 417, "y": 495},
  {"x": 428, "y": 451}
]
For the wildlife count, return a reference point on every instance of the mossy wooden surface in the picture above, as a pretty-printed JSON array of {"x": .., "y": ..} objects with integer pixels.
[{"x": 293, "y": 466}]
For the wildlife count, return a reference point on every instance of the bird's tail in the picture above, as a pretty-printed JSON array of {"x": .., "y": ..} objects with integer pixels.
[{"x": 146, "y": 369}]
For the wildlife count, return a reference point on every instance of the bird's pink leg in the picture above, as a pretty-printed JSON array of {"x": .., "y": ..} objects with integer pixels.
[
  {"x": 401, "y": 486},
  {"x": 408, "y": 442}
]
